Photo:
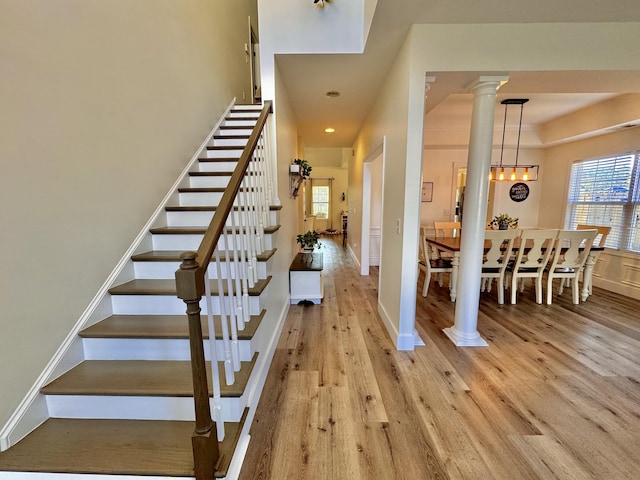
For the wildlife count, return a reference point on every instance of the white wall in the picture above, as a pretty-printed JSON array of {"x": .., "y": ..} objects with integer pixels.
[
  {"x": 389, "y": 117},
  {"x": 103, "y": 103},
  {"x": 287, "y": 135},
  {"x": 294, "y": 26}
]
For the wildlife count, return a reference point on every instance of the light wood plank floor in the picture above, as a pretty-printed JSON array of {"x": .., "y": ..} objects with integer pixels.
[{"x": 555, "y": 395}]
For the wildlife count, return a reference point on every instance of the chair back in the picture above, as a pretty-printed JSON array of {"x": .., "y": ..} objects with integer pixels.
[
  {"x": 535, "y": 248},
  {"x": 572, "y": 249},
  {"x": 602, "y": 232},
  {"x": 500, "y": 248},
  {"x": 447, "y": 229},
  {"x": 423, "y": 247}
]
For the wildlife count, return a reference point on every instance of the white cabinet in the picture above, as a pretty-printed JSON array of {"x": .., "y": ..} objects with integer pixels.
[{"x": 305, "y": 278}]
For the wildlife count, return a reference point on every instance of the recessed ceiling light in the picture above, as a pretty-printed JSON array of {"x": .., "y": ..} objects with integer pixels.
[
  {"x": 333, "y": 94},
  {"x": 329, "y": 130}
]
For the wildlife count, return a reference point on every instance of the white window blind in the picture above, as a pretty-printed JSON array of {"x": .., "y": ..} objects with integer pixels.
[{"x": 606, "y": 191}]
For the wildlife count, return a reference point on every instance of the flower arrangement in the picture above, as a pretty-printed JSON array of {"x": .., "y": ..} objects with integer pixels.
[
  {"x": 503, "y": 222},
  {"x": 309, "y": 240}
]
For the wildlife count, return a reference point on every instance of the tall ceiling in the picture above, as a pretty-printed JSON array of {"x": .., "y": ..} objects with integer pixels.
[{"x": 359, "y": 77}]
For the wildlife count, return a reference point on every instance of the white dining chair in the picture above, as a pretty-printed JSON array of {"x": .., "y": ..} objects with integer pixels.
[
  {"x": 496, "y": 260},
  {"x": 570, "y": 254},
  {"x": 534, "y": 250},
  {"x": 431, "y": 265},
  {"x": 600, "y": 240}
]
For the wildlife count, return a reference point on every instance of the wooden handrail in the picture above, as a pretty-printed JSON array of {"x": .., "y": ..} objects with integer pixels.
[{"x": 190, "y": 280}]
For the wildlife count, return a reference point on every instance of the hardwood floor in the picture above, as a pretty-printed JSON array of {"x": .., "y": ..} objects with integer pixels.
[{"x": 555, "y": 395}]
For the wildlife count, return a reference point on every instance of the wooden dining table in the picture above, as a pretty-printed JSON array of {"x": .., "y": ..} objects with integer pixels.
[{"x": 452, "y": 245}]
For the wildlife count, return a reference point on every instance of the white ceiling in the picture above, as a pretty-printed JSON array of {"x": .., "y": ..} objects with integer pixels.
[{"x": 359, "y": 77}]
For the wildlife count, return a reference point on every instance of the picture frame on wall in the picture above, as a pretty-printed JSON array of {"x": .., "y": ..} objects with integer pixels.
[{"x": 427, "y": 191}]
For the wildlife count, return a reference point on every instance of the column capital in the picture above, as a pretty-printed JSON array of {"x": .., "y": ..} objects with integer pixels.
[{"x": 489, "y": 82}]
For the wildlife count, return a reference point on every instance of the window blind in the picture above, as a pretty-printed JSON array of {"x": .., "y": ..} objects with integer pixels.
[{"x": 605, "y": 191}]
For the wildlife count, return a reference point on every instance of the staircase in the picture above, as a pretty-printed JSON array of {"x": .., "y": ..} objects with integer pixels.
[{"x": 121, "y": 400}]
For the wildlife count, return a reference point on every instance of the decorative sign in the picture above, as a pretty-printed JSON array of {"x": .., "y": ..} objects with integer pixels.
[{"x": 519, "y": 192}]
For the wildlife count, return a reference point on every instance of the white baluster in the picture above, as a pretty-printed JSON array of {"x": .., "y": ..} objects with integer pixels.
[
  {"x": 226, "y": 340},
  {"x": 216, "y": 408},
  {"x": 230, "y": 304},
  {"x": 246, "y": 225},
  {"x": 238, "y": 256}
]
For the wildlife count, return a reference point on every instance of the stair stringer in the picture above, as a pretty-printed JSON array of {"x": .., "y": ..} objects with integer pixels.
[{"x": 33, "y": 411}]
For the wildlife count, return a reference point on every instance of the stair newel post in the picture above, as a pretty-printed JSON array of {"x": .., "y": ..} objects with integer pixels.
[{"x": 190, "y": 288}]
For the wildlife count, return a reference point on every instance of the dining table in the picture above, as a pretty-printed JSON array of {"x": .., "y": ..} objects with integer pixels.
[{"x": 452, "y": 246}]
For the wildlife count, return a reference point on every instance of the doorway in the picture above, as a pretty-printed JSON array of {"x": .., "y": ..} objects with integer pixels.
[{"x": 372, "y": 201}]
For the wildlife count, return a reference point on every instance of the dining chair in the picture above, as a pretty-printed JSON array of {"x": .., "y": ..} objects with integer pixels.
[
  {"x": 496, "y": 259},
  {"x": 570, "y": 254},
  {"x": 431, "y": 265},
  {"x": 447, "y": 229},
  {"x": 603, "y": 232},
  {"x": 600, "y": 240},
  {"x": 534, "y": 250}
]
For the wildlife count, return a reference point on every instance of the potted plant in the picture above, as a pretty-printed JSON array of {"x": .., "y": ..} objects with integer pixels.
[
  {"x": 308, "y": 241},
  {"x": 299, "y": 171},
  {"x": 503, "y": 222}
]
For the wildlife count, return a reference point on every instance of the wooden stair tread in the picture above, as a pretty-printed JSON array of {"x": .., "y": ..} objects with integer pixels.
[
  {"x": 156, "y": 378},
  {"x": 210, "y": 174},
  {"x": 235, "y": 127},
  {"x": 161, "y": 326},
  {"x": 201, "y": 189},
  {"x": 225, "y": 147},
  {"x": 198, "y": 230},
  {"x": 205, "y": 208},
  {"x": 218, "y": 159},
  {"x": 243, "y": 119},
  {"x": 174, "y": 256},
  {"x": 147, "y": 286},
  {"x": 114, "y": 447},
  {"x": 230, "y": 137}
]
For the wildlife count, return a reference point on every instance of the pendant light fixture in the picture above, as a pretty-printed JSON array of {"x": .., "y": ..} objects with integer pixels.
[{"x": 523, "y": 173}]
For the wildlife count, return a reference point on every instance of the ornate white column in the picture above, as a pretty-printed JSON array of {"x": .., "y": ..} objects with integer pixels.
[{"x": 464, "y": 332}]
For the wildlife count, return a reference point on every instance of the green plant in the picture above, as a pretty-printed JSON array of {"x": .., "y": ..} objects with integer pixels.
[
  {"x": 305, "y": 168},
  {"x": 503, "y": 219},
  {"x": 309, "y": 240}
]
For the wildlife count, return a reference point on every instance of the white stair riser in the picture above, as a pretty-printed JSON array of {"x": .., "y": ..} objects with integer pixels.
[
  {"x": 136, "y": 408},
  {"x": 203, "y": 218},
  {"x": 229, "y": 142},
  {"x": 154, "y": 349},
  {"x": 239, "y": 123},
  {"x": 167, "y": 270},
  {"x": 244, "y": 114},
  {"x": 193, "y": 199},
  {"x": 240, "y": 132},
  {"x": 234, "y": 153},
  {"x": 209, "y": 182},
  {"x": 192, "y": 242},
  {"x": 172, "y": 305},
  {"x": 227, "y": 167}
]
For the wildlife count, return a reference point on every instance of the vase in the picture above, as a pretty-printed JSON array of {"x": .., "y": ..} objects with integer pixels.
[{"x": 503, "y": 225}]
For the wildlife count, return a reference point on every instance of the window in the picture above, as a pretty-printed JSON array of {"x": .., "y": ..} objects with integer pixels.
[
  {"x": 320, "y": 202},
  {"x": 606, "y": 191}
]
